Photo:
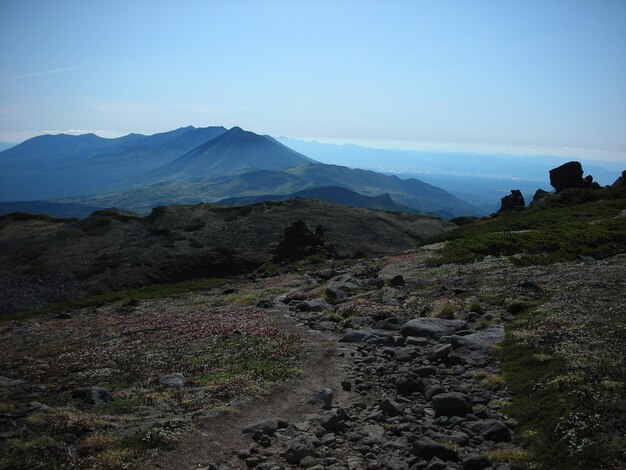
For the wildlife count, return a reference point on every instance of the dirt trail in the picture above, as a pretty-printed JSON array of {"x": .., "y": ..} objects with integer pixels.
[{"x": 220, "y": 437}]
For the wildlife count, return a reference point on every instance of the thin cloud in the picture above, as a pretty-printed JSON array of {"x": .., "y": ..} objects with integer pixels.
[{"x": 44, "y": 72}]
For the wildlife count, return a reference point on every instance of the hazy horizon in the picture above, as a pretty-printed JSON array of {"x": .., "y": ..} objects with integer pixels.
[{"x": 515, "y": 77}]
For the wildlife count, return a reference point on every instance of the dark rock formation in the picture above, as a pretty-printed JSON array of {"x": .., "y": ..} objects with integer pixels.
[
  {"x": 570, "y": 175},
  {"x": 299, "y": 242},
  {"x": 513, "y": 201},
  {"x": 539, "y": 197},
  {"x": 621, "y": 181}
]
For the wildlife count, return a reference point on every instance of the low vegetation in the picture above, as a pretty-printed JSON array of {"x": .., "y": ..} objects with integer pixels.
[
  {"x": 575, "y": 223},
  {"x": 225, "y": 352}
]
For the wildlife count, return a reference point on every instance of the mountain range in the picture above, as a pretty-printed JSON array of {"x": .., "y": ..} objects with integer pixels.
[{"x": 191, "y": 165}]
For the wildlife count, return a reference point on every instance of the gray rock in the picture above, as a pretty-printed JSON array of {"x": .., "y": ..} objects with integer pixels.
[
  {"x": 345, "y": 282},
  {"x": 335, "y": 294},
  {"x": 93, "y": 395},
  {"x": 323, "y": 398},
  {"x": 267, "y": 427},
  {"x": 265, "y": 303},
  {"x": 391, "y": 462},
  {"x": 429, "y": 449},
  {"x": 172, "y": 380},
  {"x": 451, "y": 404},
  {"x": 491, "y": 430},
  {"x": 390, "y": 407},
  {"x": 481, "y": 340},
  {"x": 436, "y": 464},
  {"x": 408, "y": 382},
  {"x": 432, "y": 390},
  {"x": 439, "y": 351},
  {"x": 6, "y": 382},
  {"x": 366, "y": 336},
  {"x": 428, "y": 327},
  {"x": 317, "y": 305},
  {"x": 335, "y": 421},
  {"x": 475, "y": 462},
  {"x": 298, "y": 448}
]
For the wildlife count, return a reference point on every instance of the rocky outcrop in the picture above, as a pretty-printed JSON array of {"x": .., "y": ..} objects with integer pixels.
[
  {"x": 570, "y": 175},
  {"x": 539, "y": 197},
  {"x": 513, "y": 201},
  {"x": 620, "y": 182}
]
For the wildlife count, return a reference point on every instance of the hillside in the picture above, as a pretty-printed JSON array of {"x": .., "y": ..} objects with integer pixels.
[
  {"x": 334, "y": 194},
  {"x": 411, "y": 193},
  {"x": 446, "y": 350},
  {"x": 45, "y": 260}
]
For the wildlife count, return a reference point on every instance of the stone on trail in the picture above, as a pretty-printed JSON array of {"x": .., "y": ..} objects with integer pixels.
[
  {"x": 265, "y": 427},
  {"x": 429, "y": 327},
  {"x": 390, "y": 407},
  {"x": 298, "y": 448},
  {"x": 323, "y": 398}
]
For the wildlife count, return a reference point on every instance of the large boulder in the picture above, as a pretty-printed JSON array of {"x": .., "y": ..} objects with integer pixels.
[
  {"x": 569, "y": 175},
  {"x": 513, "y": 201},
  {"x": 429, "y": 449},
  {"x": 452, "y": 404},
  {"x": 428, "y": 327}
]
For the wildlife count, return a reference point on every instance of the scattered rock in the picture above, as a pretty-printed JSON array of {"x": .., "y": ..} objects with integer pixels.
[
  {"x": 267, "y": 427},
  {"x": 6, "y": 382},
  {"x": 429, "y": 449},
  {"x": 366, "y": 336},
  {"x": 481, "y": 340},
  {"x": 431, "y": 327},
  {"x": 265, "y": 303},
  {"x": 451, "y": 404},
  {"x": 475, "y": 462},
  {"x": 491, "y": 430},
  {"x": 93, "y": 395},
  {"x": 323, "y": 398},
  {"x": 439, "y": 351},
  {"x": 335, "y": 421},
  {"x": 298, "y": 448},
  {"x": 63, "y": 316},
  {"x": 397, "y": 281},
  {"x": 390, "y": 407},
  {"x": 408, "y": 383},
  {"x": 172, "y": 380}
]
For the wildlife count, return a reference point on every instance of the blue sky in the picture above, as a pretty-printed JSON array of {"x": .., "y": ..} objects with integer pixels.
[{"x": 540, "y": 76}]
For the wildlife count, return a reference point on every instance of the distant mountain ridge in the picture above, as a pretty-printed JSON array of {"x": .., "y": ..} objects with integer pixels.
[
  {"x": 190, "y": 165},
  {"x": 334, "y": 194}
]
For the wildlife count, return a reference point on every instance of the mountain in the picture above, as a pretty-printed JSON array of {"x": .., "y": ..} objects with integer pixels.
[
  {"x": 410, "y": 192},
  {"x": 334, "y": 194},
  {"x": 54, "y": 209},
  {"x": 6, "y": 145},
  {"x": 233, "y": 151},
  {"x": 63, "y": 165}
]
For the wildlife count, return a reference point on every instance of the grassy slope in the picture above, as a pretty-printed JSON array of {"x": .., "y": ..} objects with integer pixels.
[{"x": 563, "y": 359}]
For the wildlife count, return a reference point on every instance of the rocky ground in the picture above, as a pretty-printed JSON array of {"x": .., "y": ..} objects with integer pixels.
[{"x": 400, "y": 368}]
